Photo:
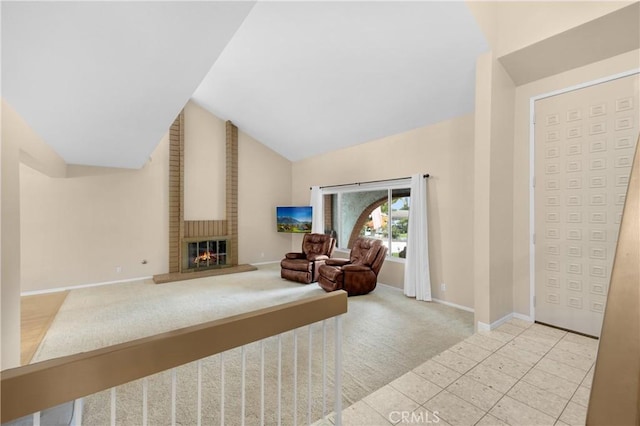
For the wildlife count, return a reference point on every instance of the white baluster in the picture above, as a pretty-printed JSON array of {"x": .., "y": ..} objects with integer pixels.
[
  {"x": 279, "y": 379},
  {"x": 145, "y": 400},
  {"x": 295, "y": 377},
  {"x": 262, "y": 382},
  {"x": 338, "y": 372},
  {"x": 113, "y": 406},
  {"x": 324, "y": 368},
  {"x": 222, "y": 389},
  {"x": 173, "y": 397},
  {"x": 199, "y": 392},
  {"x": 309, "y": 337},
  {"x": 242, "y": 383},
  {"x": 77, "y": 412}
]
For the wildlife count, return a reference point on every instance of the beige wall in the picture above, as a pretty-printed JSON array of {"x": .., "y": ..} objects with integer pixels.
[
  {"x": 481, "y": 258},
  {"x": 204, "y": 164},
  {"x": 97, "y": 220},
  {"x": 10, "y": 269},
  {"x": 501, "y": 223},
  {"x": 521, "y": 178},
  {"x": 445, "y": 151},
  {"x": 19, "y": 143},
  {"x": 264, "y": 182},
  {"x": 81, "y": 229},
  {"x": 512, "y": 25},
  {"x": 32, "y": 149},
  {"x": 502, "y": 147},
  {"x": 493, "y": 214}
]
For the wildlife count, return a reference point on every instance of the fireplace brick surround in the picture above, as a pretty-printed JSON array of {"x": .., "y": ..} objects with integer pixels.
[{"x": 182, "y": 231}]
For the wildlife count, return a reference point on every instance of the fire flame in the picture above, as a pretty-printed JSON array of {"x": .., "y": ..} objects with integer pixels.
[{"x": 204, "y": 257}]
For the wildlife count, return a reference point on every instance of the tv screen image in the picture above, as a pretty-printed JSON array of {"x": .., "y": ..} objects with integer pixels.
[{"x": 296, "y": 219}]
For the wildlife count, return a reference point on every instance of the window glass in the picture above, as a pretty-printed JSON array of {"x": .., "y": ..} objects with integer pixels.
[
  {"x": 381, "y": 213},
  {"x": 399, "y": 222}
]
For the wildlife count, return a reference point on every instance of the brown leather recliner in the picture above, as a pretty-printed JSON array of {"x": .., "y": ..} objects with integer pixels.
[
  {"x": 303, "y": 267},
  {"x": 358, "y": 274}
]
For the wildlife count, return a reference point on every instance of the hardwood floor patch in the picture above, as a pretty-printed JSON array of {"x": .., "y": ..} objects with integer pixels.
[{"x": 36, "y": 315}]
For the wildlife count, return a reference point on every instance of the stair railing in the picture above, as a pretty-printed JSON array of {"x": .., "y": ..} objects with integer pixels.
[{"x": 30, "y": 389}]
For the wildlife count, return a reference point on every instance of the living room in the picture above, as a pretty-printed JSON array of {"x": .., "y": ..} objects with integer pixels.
[{"x": 104, "y": 225}]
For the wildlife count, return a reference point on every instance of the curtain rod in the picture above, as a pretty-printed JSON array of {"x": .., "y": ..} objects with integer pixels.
[{"x": 426, "y": 175}]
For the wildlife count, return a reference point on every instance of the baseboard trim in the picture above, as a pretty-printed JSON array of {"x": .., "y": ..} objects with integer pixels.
[
  {"x": 454, "y": 305},
  {"x": 442, "y": 302},
  {"x": 75, "y": 287},
  {"x": 523, "y": 317},
  {"x": 269, "y": 262},
  {"x": 390, "y": 286},
  {"x": 482, "y": 326}
]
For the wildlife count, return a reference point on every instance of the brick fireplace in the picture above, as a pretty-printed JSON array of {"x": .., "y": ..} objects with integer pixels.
[{"x": 191, "y": 241}]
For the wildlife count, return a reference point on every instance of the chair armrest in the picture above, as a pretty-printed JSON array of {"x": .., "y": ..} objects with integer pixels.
[
  {"x": 316, "y": 257},
  {"x": 295, "y": 256},
  {"x": 356, "y": 268},
  {"x": 336, "y": 262}
]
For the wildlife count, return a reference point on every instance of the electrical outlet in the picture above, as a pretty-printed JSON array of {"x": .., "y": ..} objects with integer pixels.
[
  {"x": 443, "y": 287},
  {"x": 118, "y": 269}
]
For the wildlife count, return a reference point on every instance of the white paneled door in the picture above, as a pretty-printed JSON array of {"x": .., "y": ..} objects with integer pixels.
[{"x": 584, "y": 146}]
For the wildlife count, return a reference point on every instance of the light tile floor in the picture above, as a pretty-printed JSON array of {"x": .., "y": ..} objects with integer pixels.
[{"x": 518, "y": 374}]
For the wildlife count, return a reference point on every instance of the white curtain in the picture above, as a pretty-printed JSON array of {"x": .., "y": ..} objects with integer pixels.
[
  {"x": 317, "y": 224},
  {"x": 417, "y": 282}
]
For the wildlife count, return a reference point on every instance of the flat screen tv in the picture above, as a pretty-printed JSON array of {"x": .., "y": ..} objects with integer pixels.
[{"x": 295, "y": 219}]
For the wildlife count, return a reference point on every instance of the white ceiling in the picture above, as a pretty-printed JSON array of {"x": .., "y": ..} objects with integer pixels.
[{"x": 102, "y": 82}]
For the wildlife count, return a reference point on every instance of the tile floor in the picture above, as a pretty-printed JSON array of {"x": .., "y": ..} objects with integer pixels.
[{"x": 518, "y": 374}]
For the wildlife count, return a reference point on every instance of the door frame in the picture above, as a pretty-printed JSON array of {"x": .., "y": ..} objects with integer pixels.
[{"x": 532, "y": 210}]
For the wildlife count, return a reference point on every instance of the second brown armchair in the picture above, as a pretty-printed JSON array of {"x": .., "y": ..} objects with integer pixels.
[{"x": 358, "y": 274}]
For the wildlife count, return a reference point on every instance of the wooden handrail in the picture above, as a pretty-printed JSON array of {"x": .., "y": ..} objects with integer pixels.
[
  {"x": 615, "y": 391},
  {"x": 45, "y": 384}
]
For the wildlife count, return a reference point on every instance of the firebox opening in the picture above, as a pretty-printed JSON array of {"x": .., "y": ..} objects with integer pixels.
[{"x": 205, "y": 254}]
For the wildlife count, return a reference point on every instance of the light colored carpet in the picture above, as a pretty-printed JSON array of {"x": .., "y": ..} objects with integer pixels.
[{"x": 385, "y": 335}]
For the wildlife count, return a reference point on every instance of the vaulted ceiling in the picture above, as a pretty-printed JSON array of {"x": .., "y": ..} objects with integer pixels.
[{"x": 101, "y": 82}]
